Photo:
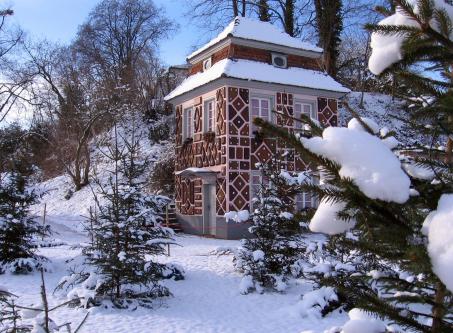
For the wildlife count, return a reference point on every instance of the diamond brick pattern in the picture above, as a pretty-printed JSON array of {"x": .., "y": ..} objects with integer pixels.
[
  {"x": 327, "y": 111},
  {"x": 234, "y": 148},
  {"x": 239, "y": 190},
  {"x": 221, "y": 196}
]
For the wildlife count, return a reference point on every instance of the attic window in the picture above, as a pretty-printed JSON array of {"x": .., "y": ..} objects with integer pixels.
[
  {"x": 207, "y": 64},
  {"x": 279, "y": 60}
]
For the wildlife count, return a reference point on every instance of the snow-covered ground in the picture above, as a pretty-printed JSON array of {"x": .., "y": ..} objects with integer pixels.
[{"x": 208, "y": 300}]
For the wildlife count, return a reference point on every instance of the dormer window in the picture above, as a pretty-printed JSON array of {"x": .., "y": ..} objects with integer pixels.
[
  {"x": 207, "y": 64},
  {"x": 279, "y": 60}
]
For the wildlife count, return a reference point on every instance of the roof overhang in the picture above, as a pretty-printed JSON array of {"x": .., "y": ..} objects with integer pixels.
[
  {"x": 207, "y": 175},
  {"x": 243, "y": 83}
]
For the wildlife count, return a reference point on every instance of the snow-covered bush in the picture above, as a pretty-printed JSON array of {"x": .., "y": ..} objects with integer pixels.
[
  {"x": 162, "y": 178},
  {"x": 18, "y": 229},
  {"x": 317, "y": 303},
  {"x": 360, "y": 322},
  {"x": 266, "y": 258}
]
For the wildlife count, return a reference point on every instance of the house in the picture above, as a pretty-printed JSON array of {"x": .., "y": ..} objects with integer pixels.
[{"x": 249, "y": 70}]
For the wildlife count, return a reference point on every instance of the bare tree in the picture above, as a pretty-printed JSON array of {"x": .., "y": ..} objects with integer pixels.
[
  {"x": 9, "y": 38},
  {"x": 61, "y": 88},
  {"x": 294, "y": 16},
  {"x": 118, "y": 34}
]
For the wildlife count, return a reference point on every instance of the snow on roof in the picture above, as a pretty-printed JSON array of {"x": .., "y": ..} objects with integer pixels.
[
  {"x": 262, "y": 72},
  {"x": 247, "y": 28},
  {"x": 195, "y": 170}
]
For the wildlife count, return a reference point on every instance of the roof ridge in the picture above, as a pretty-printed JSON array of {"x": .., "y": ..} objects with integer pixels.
[{"x": 266, "y": 32}]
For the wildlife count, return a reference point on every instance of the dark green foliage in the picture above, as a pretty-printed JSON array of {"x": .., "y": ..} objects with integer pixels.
[
  {"x": 266, "y": 258},
  {"x": 126, "y": 232},
  {"x": 18, "y": 229},
  {"x": 387, "y": 249},
  {"x": 20, "y": 150},
  {"x": 387, "y": 239}
]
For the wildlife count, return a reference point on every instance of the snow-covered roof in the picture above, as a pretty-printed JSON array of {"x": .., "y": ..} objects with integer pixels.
[
  {"x": 262, "y": 72},
  {"x": 247, "y": 28},
  {"x": 195, "y": 171}
]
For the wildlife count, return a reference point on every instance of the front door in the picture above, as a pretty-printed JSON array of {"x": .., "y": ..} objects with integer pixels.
[{"x": 209, "y": 213}]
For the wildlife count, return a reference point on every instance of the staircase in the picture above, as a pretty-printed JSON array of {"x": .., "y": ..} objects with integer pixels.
[{"x": 170, "y": 213}]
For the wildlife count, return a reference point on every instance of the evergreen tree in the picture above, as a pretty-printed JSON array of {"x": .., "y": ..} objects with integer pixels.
[
  {"x": 384, "y": 266},
  {"x": 267, "y": 257},
  {"x": 126, "y": 231},
  {"x": 393, "y": 274},
  {"x": 17, "y": 228}
]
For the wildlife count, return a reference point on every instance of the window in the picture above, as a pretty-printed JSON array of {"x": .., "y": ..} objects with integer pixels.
[
  {"x": 257, "y": 182},
  {"x": 261, "y": 108},
  {"x": 209, "y": 116},
  {"x": 305, "y": 200},
  {"x": 207, "y": 64},
  {"x": 303, "y": 108},
  {"x": 188, "y": 123},
  {"x": 279, "y": 60}
]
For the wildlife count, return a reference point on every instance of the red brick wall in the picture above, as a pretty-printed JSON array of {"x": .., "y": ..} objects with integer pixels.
[
  {"x": 250, "y": 53},
  {"x": 216, "y": 57}
]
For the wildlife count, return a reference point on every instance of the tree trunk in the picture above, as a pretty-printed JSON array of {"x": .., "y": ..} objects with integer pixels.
[
  {"x": 263, "y": 11},
  {"x": 235, "y": 8},
  {"x": 289, "y": 17},
  {"x": 243, "y": 8},
  {"x": 438, "y": 310},
  {"x": 330, "y": 24},
  {"x": 86, "y": 171}
]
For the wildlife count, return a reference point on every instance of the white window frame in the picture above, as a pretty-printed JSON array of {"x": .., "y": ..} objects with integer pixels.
[
  {"x": 207, "y": 64},
  {"x": 297, "y": 113},
  {"x": 256, "y": 186},
  {"x": 188, "y": 123},
  {"x": 260, "y": 99},
  {"x": 209, "y": 121},
  {"x": 305, "y": 200}
]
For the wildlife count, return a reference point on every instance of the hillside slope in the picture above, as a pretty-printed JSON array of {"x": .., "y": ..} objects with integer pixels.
[
  {"x": 64, "y": 206},
  {"x": 386, "y": 112}
]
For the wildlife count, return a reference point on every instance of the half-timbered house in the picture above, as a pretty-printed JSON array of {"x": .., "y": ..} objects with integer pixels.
[{"x": 249, "y": 70}]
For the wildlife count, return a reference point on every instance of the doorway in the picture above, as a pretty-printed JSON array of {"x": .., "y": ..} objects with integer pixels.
[{"x": 209, "y": 209}]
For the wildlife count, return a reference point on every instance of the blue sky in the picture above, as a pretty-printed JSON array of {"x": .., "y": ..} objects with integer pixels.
[{"x": 57, "y": 20}]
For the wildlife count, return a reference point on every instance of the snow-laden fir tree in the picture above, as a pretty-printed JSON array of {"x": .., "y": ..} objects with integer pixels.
[
  {"x": 18, "y": 229},
  {"x": 396, "y": 261},
  {"x": 381, "y": 265},
  {"x": 267, "y": 257},
  {"x": 126, "y": 231}
]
